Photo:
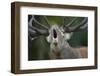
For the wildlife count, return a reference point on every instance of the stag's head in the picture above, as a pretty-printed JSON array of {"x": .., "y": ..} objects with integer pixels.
[{"x": 56, "y": 37}]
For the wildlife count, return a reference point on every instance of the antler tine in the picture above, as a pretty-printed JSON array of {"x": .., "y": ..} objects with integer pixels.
[
  {"x": 39, "y": 23},
  {"x": 84, "y": 21},
  {"x": 63, "y": 21},
  {"x": 30, "y": 22},
  {"x": 76, "y": 27},
  {"x": 45, "y": 18},
  {"x": 39, "y": 31},
  {"x": 85, "y": 26},
  {"x": 71, "y": 22},
  {"x": 32, "y": 32}
]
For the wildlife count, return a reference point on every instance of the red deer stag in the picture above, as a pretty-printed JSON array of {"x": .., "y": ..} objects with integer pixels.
[{"x": 59, "y": 47}]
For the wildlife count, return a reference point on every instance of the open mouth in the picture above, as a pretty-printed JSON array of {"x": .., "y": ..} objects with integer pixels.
[{"x": 54, "y": 33}]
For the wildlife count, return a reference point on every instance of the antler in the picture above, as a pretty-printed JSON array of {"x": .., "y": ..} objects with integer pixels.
[
  {"x": 35, "y": 31},
  {"x": 35, "y": 28},
  {"x": 78, "y": 27}
]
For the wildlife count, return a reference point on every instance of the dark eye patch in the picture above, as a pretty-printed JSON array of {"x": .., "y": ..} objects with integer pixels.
[{"x": 54, "y": 33}]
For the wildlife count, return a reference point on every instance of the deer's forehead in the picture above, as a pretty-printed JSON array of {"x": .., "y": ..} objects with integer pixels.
[{"x": 55, "y": 27}]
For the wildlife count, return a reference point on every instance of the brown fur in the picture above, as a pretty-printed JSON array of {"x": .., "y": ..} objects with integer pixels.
[{"x": 83, "y": 51}]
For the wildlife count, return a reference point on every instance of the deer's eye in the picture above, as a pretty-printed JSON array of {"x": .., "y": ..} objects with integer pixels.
[{"x": 54, "y": 33}]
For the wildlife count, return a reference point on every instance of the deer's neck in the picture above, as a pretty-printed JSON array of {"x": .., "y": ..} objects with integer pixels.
[{"x": 64, "y": 52}]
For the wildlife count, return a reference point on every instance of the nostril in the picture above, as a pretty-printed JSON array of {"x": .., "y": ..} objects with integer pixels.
[{"x": 54, "y": 33}]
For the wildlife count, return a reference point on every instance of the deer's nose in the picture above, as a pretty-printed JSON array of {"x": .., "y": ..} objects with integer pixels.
[{"x": 54, "y": 33}]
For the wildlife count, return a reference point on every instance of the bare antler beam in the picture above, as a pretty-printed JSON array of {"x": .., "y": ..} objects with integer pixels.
[
  {"x": 45, "y": 18},
  {"x": 39, "y": 23},
  {"x": 34, "y": 31}
]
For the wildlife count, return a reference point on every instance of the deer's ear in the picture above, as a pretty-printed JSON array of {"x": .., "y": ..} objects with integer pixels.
[
  {"x": 48, "y": 38},
  {"x": 67, "y": 36}
]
